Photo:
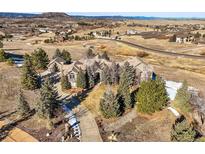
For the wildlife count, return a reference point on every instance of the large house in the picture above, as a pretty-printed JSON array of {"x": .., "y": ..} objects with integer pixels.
[{"x": 143, "y": 71}]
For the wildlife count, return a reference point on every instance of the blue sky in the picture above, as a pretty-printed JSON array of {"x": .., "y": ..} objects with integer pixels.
[{"x": 148, "y": 14}]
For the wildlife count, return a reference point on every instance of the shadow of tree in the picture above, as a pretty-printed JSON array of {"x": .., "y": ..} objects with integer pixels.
[
  {"x": 5, "y": 129},
  {"x": 3, "y": 115}
]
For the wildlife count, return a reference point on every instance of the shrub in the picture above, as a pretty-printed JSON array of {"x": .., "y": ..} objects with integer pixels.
[
  {"x": 10, "y": 61},
  {"x": 182, "y": 131},
  {"x": 152, "y": 96},
  {"x": 2, "y": 55},
  {"x": 142, "y": 54}
]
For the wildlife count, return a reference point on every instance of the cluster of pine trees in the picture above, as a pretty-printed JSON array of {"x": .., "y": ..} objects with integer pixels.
[
  {"x": 64, "y": 54},
  {"x": 30, "y": 81},
  {"x": 112, "y": 105},
  {"x": 45, "y": 107}
]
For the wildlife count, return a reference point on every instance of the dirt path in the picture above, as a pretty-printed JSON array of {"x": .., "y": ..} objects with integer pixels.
[{"x": 88, "y": 125}]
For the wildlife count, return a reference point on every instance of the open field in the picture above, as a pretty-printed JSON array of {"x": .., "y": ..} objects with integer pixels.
[{"x": 145, "y": 128}]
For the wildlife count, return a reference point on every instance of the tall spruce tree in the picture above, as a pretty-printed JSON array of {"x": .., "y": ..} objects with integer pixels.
[
  {"x": 81, "y": 80},
  {"x": 109, "y": 105},
  {"x": 131, "y": 73},
  {"x": 182, "y": 131},
  {"x": 124, "y": 90},
  {"x": 152, "y": 96},
  {"x": 114, "y": 73},
  {"x": 40, "y": 59},
  {"x": 23, "y": 107},
  {"x": 182, "y": 98},
  {"x": 57, "y": 53},
  {"x": 48, "y": 100},
  {"x": 106, "y": 76},
  {"x": 29, "y": 78},
  {"x": 65, "y": 84}
]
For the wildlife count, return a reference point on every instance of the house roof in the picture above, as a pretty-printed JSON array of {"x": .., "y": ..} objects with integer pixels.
[
  {"x": 100, "y": 63},
  {"x": 58, "y": 60}
]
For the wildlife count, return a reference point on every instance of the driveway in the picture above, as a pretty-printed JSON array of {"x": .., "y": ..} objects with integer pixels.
[{"x": 88, "y": 125}]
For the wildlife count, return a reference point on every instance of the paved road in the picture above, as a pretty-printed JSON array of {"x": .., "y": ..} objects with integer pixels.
[
  {"x": 163, "y": 52},
  {"x": 88, "y": 125}
]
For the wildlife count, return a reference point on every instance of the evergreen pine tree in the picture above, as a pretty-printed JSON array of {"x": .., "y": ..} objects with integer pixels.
[
  {"x": 124, "y": 90},
  {"x": 48, "y": 100},
  {"x": 23, "y": 108},
  {"x": 106, "y": 76},
  {"x": 152, "y": 96},
  {"x": 40, "y": 59},
  {"x": 90, "y": 77},
  {"x": 114, "y": 73},
  {"x": 66, "y": 56},
  {"x": 182, "y": 98},
  {"x": 109, "y": 105},
  {"x": 182, "y": 131},
  {"x": 57, "y": 53},
  {"x": 29, "y": 78},
  {"x": 81, "y": 80},
  {"x": 131, "y": 74},
  {"x": 65, "y": 84}
]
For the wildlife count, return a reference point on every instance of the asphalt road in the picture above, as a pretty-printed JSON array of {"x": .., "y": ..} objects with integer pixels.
[{"x": 163, "y": 52}]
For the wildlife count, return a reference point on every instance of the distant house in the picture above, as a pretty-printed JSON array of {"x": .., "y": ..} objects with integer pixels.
[
  {"x": 185, "y": 38},
  {"x": 131, "y": 32}
]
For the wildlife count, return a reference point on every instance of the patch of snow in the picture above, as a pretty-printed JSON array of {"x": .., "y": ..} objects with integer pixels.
[
  {"x": 171, "y": 88},
  {"x": 175, "y": 112}
]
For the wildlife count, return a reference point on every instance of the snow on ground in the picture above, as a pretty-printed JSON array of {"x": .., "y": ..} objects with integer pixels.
[{"x": 172, "y": 88}]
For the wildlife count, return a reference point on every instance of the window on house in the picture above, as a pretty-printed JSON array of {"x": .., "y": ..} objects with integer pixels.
[{"x": 72, "y": 76}]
